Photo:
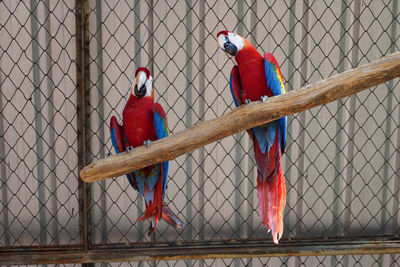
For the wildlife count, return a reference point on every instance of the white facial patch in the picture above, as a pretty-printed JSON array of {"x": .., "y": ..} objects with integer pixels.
[
  {"x": 221, "y": 41},
  {"x": 231, "y": 37},
  {"x": 149, "y": 86},
  {"x": 236, "y": 40},
  {"x": 141, "y": 79}
]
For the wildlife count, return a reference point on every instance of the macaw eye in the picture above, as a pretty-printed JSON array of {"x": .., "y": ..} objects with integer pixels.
[{"x": 226, "y": 39}]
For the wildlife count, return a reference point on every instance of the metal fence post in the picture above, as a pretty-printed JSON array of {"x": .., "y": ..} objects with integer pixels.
[{"x": 83, "y": 119}]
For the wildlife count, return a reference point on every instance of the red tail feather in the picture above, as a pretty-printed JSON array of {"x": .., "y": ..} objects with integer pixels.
[
  {"x": 157, "y": 210},
  {"x": 271, "y": 188},
  {"x": 170, "y": 217}
]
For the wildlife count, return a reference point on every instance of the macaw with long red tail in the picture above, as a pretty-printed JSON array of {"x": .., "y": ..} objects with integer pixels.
[
  {"x": 258, "y": 77},
  {"x": 145, "y": 121}
]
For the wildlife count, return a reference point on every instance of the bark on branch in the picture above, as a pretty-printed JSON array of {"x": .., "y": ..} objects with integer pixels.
[{"x": 245, "y": 117}]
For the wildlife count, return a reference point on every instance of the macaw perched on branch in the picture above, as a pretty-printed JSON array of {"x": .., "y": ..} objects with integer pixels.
[
  {"x": 258, "y": 77},
  {"x": 145, "y": 121}
]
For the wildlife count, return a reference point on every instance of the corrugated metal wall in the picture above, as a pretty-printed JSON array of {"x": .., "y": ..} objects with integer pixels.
[{"x": 342, "y": 161}]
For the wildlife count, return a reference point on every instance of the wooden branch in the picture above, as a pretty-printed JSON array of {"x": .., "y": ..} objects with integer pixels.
[{"x": 245, "y": 117}]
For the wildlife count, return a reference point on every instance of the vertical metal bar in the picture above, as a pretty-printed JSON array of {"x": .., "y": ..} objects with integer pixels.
[
  {"x": 202, "y": 104},
  {"x": 100, "y": 100},
  {"x": 339, "y": 114},
  {"x": 151, "y": 37},
  {"x": 151, "y": 59},
  {"x": 83, "y": 118},
  {"x": 189, "y": 108},
  {"x": 239, "y": 155},
  {"x": 253, "y": 22},
  {"x": 239, "y": 151},
  {"x": 151, "y": 67},
  {"x": 288, "y": 151},
  {"x": 338, "y": 182},
  {"x": 302, "y": 120},
  {"x": 251, "y": 161},
  {"x": 350, "y": 148},
  {"x": 137, "y": 38},
  {"x": 3, "y": 175},
  {"x": 304, "y": 74},
  {"x": 290, "y": 82},
  {"x": 38, "y": 121},
  {"x": 385, "y": 192},
  {"x": 396, "y": 202},
  {"x": 240, "y": 16},
  {"x": 50, "y": 114},
  {"x": 388, "y": 125}
]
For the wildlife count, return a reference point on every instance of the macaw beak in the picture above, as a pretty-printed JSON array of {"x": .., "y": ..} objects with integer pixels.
[
  {"x": 226, "y": 45},
  {"x": 230, "y": 48},
  {"x": 140, "y": 85}
]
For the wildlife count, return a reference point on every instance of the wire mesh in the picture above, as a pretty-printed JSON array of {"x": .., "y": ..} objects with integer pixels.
[
  {"x": 342, "y": 160},
  {"x": 38, "y": 124}
]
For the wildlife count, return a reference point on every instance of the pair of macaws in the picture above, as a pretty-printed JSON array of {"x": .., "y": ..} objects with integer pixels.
[{"x": 254, "y": 77}]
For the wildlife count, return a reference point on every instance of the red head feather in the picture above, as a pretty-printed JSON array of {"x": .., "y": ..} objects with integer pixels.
[
  {"x": 133, "y": 96},
  {"x": 145, "y": 70},
  {"x": 222, "y": 32}
]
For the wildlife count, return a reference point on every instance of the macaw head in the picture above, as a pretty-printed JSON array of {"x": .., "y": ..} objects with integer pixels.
[
  {"x": 232, "y": 43},
  {"x": 143, "y": 83},
  {"x": 237, "y": 46}
]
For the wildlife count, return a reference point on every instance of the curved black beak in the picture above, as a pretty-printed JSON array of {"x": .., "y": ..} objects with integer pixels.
[
  {"x": 230, "y": 48},
  {"x": 140, "y": 92}
]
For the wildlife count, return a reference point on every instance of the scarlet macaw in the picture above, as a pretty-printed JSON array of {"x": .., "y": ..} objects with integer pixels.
[
  {"x": 145, "y": 121},
  {"x": 258, "y": 77}
]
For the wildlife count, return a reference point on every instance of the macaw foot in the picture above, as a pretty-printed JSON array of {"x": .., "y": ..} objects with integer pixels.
[
  {"x": 147, "y": 143},
  {"x": 264, "y": 98},
  {"x": 108, "y": 155},
  {"x": 247, "y": 101},
  {"x": 129, "y": 149}
]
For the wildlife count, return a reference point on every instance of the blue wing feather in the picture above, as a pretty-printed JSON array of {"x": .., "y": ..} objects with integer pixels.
[
  {"x": 160, "y": 122},
  {"x": 114, "y": 141},
  {"x": 265, "y": 135},
  {"x": 152, "y": 178},
  {"x": 275, "y": 83},
  {"x": 141, "y": 180},
  {"x": 161, "y": 127},
  {"x": 282, "y": 130},
  {"x": 233, "y": 95},
  {"x": 165, "y": 169},
  {"x": 235, "y": 86},
  {"x": 259, "y": 133},
  {"x": 271, "y": 133}
]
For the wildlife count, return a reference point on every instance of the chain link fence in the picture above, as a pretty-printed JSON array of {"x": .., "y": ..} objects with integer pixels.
[
  {"x": 38, "y": 148},
  {"x": 342, "y": 161}
]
